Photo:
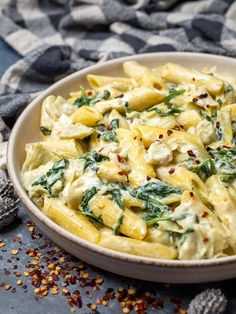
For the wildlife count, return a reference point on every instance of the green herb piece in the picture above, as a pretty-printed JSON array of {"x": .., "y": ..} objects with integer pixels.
[
  {"x": 228, "y": 89},
  {"x": 118, "y": 200},
  {"x": 185, "y": 235},
  {"x": 171, "y": 112},
  {"x": 167, "y": 216},
  {"x": 84, "y": 100},
  {"x": 109, "y": 136},
  {"x": 205, "y": 116},
  {"x": 159, "y": 189},
  {"x": 115, "y": 124},
  {"x": 85, "y": 208},
  {"x": 105, "y": 94},
  {"x": 150, "y": 193},
  {"x": 218, "y": 131},
  {"x": 45, "y": 130},
  {"x": 116, "y": 196},
  {"x": 220, "y": 102},
  {"x": 52, "y": 176},
  {"x": 92, "y": 158},
  {"x": 204, "y": 170},
  {"x": 225, "y": 163},
  {"x": 118, "y": 224},
  {"x": 172, "y": 94}
]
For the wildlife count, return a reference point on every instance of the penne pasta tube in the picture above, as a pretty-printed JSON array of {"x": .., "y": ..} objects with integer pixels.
[
  {"x": 142, "y": 75},
  {"x": 70, "y": 219},
  {"x": 141, "y": 98},
  {"x": 180, "y": 75},
  {"x": 96, "y": 81},
  {"x": 137, "y": 247},
  {"x": 109, "y": 171},
  {"x": 139, "y": 168},
  {"x": 132, "y": 225},
  {"x": 224, "y": 204},
  {"x": 183, "y": 179},
  {"x": 87, "y": 116}
]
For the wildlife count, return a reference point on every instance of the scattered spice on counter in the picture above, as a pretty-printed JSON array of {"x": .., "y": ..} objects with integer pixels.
[{"x": 49, "y": 270}]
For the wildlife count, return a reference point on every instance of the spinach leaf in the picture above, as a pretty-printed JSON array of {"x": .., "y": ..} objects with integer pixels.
[
  {"x": 150, "y": 193},
  {"x": 85, "y": 100},
  {"x": 118, "y": 200},
  {"x": 204, "y": 170},
  {"x": 171, "y": 112},
  {"x": 109, "y": 136},
  {"x": 172, "y": 94},
  {"x": 52, "y": 176},
  {"x": 115, "y": 124},
  {"x": 166, "y": 216},
  {"x": 45, "y": 130},
  {"x": 116, "y": 196},
  {"x": 85, "y": 208},
  {"x": 225, "y": 163},
  {"x": 92, "y": 158},
  {"x": 159, "y": 189}
]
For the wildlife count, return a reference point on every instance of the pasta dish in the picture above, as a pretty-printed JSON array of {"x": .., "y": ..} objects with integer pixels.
[{"x": 143, "y": 164}]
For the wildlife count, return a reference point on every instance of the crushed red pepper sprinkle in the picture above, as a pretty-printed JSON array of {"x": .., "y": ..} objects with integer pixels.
[
  {"x": 205, "y": 214},
  {"x": 51, "y": 271},
  {"x": 171, "y": 171}
]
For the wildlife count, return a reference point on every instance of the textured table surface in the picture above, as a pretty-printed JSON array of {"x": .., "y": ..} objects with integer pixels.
[{"x": 27, "y": 258}]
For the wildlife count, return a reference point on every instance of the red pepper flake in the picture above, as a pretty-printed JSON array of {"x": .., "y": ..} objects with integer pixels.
[
  {"x": 75, "y": 299},
  {"x": 101, "y": 149},
  {"x": 171, "y": 171},
  {"x": 89, "y": 93},
  {"x": 191, "y": 153},
  {"x": 202, "y": 96},
  {"x": 16, "y": 239},
  {"x": 193, "y": 79},
  {"x": 227, "y": 146},
  {"x": 121, "y": 159},
  {"x": 217, "y": 124},
  {"x": 205, "y": 214},
  {"x": 197, "y": 162},
  {"x": 169, "y": 132},
  {"x": 119, "y": 96},
  {"x": 177, "y": 127},
  {"x": 161, "y": 136},
  {"x": 191, "y": 194},
  {"x": 205, "y": 240},
  {"x": 121, "y": 173}
]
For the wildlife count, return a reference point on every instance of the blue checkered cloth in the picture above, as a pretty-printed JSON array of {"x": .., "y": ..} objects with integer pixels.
[{"x": 56, "y": 37}]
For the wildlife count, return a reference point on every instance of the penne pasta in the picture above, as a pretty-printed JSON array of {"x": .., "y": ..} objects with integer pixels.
[{"x": 70, "y": 220}]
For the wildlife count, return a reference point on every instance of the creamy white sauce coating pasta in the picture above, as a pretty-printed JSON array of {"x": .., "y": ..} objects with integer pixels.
[{"x": 143, "y": 164}]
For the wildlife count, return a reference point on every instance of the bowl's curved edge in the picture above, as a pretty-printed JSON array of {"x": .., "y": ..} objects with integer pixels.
[{"x": 173, "y": 264}]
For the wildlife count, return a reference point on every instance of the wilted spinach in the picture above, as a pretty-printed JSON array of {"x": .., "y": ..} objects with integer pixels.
[{"x": 52, "y": 176}]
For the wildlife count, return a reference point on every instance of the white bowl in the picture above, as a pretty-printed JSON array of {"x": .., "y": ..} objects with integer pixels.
[{"x": 26, "y": 130}]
